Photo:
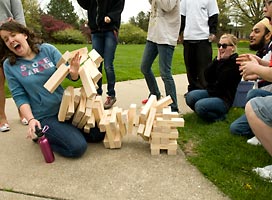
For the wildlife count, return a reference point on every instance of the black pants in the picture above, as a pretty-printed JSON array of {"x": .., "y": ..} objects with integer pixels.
[{"x": 197, "y": 56}]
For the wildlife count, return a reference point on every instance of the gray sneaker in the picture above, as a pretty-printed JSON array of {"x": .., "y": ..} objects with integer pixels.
[{"x": 109, "y": 102}]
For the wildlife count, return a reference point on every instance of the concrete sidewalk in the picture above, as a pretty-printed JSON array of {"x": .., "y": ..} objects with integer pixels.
[{"x": 127, "y": 173}]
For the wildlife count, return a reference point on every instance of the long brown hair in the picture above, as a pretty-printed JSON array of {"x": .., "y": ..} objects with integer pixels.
[{"x": 15, "y": 27}]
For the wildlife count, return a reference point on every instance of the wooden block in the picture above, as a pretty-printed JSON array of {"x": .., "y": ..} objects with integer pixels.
[
  {"x": 87, "y": 81},
  {"x": 141, "y": 129},
  {"x": 87, "y": 128},
  {"x": 104, "y": 120},
  {"x": 95, "y": 56},
  {"x": 172, "y": 151},
  {"x": 172, "y": 145},
  {"x": 163, "y": 102},
  {"x": 149, "y": 122},
  {"x": 152, "y": 100},
  {"x": 131, "y": 116},
  {"x": 71, "y": 107},
  {"x": 91, "y": 121},
  {"x": 80, "y": 109},
  {"x": 83, "y": 52},
  {"x": 76, "y": 97},
  {"x": 170, "y": 135},
  {"x": 85, "y": 118},
  {"x": 121, "y": 123},
  {"x": 55, "y": 80},
  {"x": 64, "y": 59},
  {"x": 155, "y": 152},
  {"x": 66, "y": 98},
  {"x": 174, "y": 122},
  {"x": 110, "y": 136},
  {"x": 94, "y": 72},
  {"x": 98, "y": 109}
]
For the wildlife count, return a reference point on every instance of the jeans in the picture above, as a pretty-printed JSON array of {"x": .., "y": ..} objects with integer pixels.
[
  {"x": 240, "y": 126},
  {"x": 208, "y": 108},
  {"x": 165, "y": 61},
  {"x": 67, "y": 140},
  {"x": 105, "y": 44}
]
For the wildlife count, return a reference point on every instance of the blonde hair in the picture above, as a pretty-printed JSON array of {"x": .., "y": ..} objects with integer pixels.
[{"x": 231, "y": 38}]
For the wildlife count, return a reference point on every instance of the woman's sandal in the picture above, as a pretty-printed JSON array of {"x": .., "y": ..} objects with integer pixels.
[{"x": 4, "y": 128}]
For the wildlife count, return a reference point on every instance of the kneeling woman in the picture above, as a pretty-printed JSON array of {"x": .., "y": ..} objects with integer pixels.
[{"x": 222, "y": 76}]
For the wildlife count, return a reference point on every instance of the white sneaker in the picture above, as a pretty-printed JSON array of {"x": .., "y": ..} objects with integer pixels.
[
  {"x": 4, "y": 128},
  {"x": 254, "y": 141},
  {"x": 265, "y": 172}
]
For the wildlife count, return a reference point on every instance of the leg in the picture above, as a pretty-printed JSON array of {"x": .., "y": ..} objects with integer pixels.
[
  {"x": 211, "y": 109},
  {"x": 241, "y": 127},
  {"x": 190, "y": 64},
  {"x": 98, "y": 45},
  {"x": 150, "y": 53},
  {"x": 257, "y": 93},
  {"x": 194, "y": 96},
  {"x": 165, "y": 61},
  {"x": 262, "y": 130},
  {"x": 3, "y": 118},
  {"x": 64, "y": 138},
  {"x": 110, "y": 44},
  {"x": 203, "y": 57}
]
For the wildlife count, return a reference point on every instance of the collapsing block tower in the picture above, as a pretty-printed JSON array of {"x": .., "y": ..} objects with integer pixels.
[{"x": 158, "y": 124}]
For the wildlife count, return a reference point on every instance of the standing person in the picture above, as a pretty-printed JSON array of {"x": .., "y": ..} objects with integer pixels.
[
  {"x": 260, "y": 41},
  {"x": 162, "y": 36},
  {"x": 29, "y": 64},
  {"x": 9, "y": 10},
  {"x": 198, "y": 28},
  {"x": 222, "y": 76},
  {"x": 104, "y": 21}
]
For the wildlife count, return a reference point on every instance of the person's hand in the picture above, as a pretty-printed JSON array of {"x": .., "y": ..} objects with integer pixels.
[
  {"x": 32, "y": 123},
  {"x": 246, "y": 57},
  {"x": 211, "y": 37},
  {"x": 248, "y": 68},
  {"x": 74, "y": 66},
  {"x": 107, "y": 19}
]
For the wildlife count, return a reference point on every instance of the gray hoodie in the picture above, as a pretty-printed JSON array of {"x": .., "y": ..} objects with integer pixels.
[
  {"x": 12, "y": 9},
  {"x": 164, "y": 22}
]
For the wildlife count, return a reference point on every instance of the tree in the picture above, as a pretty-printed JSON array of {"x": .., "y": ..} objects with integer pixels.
[
  {"x": 223, "y": 18},
  {"x": 63, "y": 10},
  {"x": 247, "y": 12},
  {"x": 141, "y": 20},
  {"x": 32, "y": 14}
]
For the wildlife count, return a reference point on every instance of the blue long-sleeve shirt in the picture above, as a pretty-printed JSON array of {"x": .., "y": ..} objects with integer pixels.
[{"x": 27, "y": 77}]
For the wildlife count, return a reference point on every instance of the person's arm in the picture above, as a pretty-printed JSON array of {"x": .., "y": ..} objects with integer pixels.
[
  {"x": 85, "y": 4},
  {"x": 212, "y": 22},
  {"x": 116, "y": 10},
  {"x": 17, "y": 11}
]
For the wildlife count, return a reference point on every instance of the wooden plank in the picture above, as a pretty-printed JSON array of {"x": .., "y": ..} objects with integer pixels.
[
  {"x": 131, "y": 117},
  {"x": 95, "y": 56},
  {"x": 94, "y": 72},
  {"x": 55, "y": 80},
  {"x": 152, "y": 100},
  {"x": 64, "y": 105},
  {"x": 163, "y": 102},
  {"x": 149, "y": 122},
  {"x": 64, "y": 59},
  {"x": 87, "y": 81},
  {"x": 174, "y": 122}
]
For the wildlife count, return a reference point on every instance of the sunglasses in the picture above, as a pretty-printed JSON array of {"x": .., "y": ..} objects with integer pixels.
[
  {"x": 224, "y": 46},
  {"x": 267, "y": 3}
]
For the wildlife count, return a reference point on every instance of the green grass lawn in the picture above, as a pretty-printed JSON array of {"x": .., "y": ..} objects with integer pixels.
[{"x": 225, "y": 159}]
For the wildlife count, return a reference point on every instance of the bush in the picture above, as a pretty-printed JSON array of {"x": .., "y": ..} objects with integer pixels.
[
  {"x": 69, "y": 36},
  {"x": 130, "y": 34}
]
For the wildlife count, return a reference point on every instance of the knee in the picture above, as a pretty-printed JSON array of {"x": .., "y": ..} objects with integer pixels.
[
  {"x": 78, "y": 150},
  {"x": 235, "y": 129}
]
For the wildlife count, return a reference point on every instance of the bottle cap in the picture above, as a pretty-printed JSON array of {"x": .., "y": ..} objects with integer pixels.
[{"x": 38, "y": 131}]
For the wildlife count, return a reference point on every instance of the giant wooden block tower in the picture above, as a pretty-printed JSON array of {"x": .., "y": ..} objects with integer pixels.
[{"x": 155, "y": 123}]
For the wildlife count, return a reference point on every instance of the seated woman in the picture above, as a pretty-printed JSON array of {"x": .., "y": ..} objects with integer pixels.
[{"x": 222, "y": 76}]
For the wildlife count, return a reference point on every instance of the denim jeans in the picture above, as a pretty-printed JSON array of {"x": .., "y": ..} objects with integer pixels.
[
  {"x": 105, "y": 44},
  {"x": 240, "y": 126},
  {"x": 67, "y": 140},
  {"x": 208, "y": 108},
  {"x": 165, "y": 61}
]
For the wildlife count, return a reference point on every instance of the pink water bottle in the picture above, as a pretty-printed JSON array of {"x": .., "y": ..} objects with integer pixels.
[{"x": 44, "y": 144}]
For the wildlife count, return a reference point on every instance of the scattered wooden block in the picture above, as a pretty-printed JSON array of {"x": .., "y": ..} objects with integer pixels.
[{"x": 95, "y": 57}]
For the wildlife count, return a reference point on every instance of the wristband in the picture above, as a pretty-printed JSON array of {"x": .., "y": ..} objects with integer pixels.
[{"x": 30, "y": 120}]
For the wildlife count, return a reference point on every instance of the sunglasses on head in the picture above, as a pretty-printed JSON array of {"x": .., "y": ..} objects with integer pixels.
[{"x": 224, "y": 46}]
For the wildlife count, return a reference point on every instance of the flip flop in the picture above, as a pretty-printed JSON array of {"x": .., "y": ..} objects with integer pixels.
[{"x": 4, "y": 128}]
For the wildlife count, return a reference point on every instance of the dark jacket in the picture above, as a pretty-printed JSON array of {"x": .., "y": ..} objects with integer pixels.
[
  {"x": 98, "y": 9},
  {"x": 223, "y": 77}
]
